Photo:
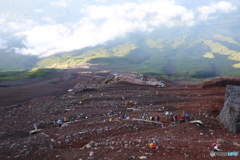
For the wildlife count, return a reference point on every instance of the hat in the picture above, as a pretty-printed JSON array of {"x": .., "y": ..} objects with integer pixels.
[{"x": 214, "y": 144}]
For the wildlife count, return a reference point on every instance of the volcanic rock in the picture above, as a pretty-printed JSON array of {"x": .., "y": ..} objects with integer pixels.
[{"x": 230, "y": 114}]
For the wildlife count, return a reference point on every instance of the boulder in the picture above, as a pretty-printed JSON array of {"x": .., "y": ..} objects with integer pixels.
[{"x": 230, "y": 114}]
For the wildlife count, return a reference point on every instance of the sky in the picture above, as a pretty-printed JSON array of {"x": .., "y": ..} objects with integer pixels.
[{"x": 47, "y": 27}]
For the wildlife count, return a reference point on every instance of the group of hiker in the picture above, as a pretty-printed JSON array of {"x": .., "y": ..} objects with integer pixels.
[
  {"x": 151, "y": 118},
  {"x": 61, "y": 121},
  {"x": 185, "y": 117}
]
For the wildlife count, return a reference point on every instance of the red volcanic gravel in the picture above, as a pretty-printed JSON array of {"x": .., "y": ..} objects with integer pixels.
[{"x": 100, "y": 101}]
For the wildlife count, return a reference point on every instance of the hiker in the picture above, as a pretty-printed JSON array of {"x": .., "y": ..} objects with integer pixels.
[
  {"x": 60, "y": 122},
  {"x": 182, "y": 119},
  {"x": 187, "y": 116},
  {"x": 35, "y": 126},
  {"x": 152, "y": 145},
  {"x": 215, "y": 147},
  {"x": 171, "y": 116},
  {"x": 158, "y": 118},
  {"x": 79, "y": 116},
  {"x": 144, "y": 116},
  {"x": 65, "y": 119},
  {"x": 175, "y": 119},
  {"x": 153, "y": 118},
  {"x": 166, "y": 114},
  {"x": 150, "y": 118}
]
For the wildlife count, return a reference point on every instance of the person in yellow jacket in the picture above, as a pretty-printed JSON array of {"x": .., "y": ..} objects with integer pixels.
[{"x": 65, "y": 119}]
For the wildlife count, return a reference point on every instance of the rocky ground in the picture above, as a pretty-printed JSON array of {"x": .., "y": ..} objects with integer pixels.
[{"x": 99, "y": 100}]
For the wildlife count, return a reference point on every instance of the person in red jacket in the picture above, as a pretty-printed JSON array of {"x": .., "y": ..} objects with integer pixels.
[{"x": 182, "y": 119}]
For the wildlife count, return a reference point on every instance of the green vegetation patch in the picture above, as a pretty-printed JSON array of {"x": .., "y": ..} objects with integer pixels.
[
  {"x": 10, "y": 75},
  {"x": 40, "y": 73},
  {"x": 225, "y": 38},
  {"x": 74, "y": 58},
  {"x": 35, "y": 73}
]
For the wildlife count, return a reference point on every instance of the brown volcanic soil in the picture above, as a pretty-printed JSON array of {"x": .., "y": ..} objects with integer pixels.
[
  {"x": 110, "y": 140},
  {"x": 12, "y": 92}
]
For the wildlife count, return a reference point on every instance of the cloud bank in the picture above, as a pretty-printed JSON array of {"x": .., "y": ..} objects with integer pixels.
[
  {"x": 220, "y": 7},
  {"x": 2, "y": 44},
  {"x": 95, "y": 24}
]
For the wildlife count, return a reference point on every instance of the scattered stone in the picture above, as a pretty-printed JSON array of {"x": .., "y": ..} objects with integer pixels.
[
  {"x": 17, "y": 156},
  {"x": 91, "y": 153},
  {"x": 45, "y": 134},
  {"x": 111, "y": 147},
  {"x": 112, "y": 142},
  {"x": 236, "y": 144},
  {"x": 220, "y": 140},
  {"x": 64, "y": 125},
  {"x": 34, "y": 131},
  {"x": 143, "y": 157},
  {"x": 138, "y": 145}
]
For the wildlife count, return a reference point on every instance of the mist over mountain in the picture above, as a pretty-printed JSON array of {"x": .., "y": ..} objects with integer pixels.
[{"x": 183, "y": 38}]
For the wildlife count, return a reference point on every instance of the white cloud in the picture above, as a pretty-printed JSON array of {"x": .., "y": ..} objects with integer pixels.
[
  {"x": 20, "y": 25},
  {"x": 61, "y": 3},
  {"x": 99, "y": 24},
  {"x": 48, "y": 19},
  {"x": 2, "y": 20},
  {"x": 189, "y": 16},
  {"x": 3, "y": 43},
  {"x": 225, "y": 7},
  {"x": 39, "y": 10},
  {"x": 40, "y": 39},
  {"x": 222, "y": 6},
  {"x": 100, "y": 0}
]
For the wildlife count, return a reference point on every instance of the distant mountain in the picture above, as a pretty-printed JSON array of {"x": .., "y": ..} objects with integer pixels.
[
  {"x": 202, "y": 51},
  {"x": 199, "y": 52}
]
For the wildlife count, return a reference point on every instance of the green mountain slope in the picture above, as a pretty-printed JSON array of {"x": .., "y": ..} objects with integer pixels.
[
  {"x": 174, "y": 57},
  {"x": 201, "y": 51}
]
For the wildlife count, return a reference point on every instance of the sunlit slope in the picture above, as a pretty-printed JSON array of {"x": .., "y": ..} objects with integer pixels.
[{"x": 75, "y": 58}]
